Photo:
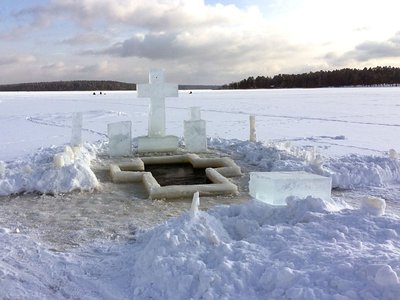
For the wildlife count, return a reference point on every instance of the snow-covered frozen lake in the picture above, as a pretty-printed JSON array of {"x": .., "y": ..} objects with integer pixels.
[
  {"x": 336, "y": 121},
  {"x": 109, "y": 242}
]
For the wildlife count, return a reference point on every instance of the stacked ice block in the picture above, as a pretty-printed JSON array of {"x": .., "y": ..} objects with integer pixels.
[{"x": 275, "y": 187}]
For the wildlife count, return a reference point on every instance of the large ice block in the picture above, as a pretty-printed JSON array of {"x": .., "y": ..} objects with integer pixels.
[
  {"x": 275, "y": 187},
  {"x": 76, "y": 136},
  {"x": 195, "y": 135},
  {"x": 168, "y": 143},
  {"x": 120, "y": 138}
]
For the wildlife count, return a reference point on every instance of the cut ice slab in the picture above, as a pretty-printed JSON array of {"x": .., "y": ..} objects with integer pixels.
[
  {"x": 195, "y": 135},
  {"x": 274, "y": 187},
  {"x": 120, "y": 138},
  {"x": 168, "y": 143}
]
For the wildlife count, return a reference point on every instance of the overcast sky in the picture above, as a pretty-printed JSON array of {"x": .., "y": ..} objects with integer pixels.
[{"x": 195, "y": 41}]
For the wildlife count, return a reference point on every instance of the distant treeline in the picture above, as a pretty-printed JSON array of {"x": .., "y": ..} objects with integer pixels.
[
  {"x": 85, "y": 85},
  {"x": 199, "y": 87},
  {"x": 377, "y": 76},
  {"x": 75, "y": 85}
]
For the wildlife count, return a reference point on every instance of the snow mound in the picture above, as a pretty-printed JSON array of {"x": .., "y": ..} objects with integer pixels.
[
  {"x": 361, "y": 171},
  {"x": 29, "y": 271},
  {"x": 257, "y": 251},
  {"x": 385, "y": 276},
  {"x": 247, "y": 251},
  {"x": 347, "y": 172},
  {"x": 373, "y": 205},
  {"x": 37, "y": 173},
  {"x": 24, "y": 268}
]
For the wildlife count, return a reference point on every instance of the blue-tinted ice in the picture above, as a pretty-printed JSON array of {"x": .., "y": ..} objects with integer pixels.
[{"x": 275, "y": 187}]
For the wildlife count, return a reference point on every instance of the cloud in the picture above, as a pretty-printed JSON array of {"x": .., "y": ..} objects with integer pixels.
[
  {"x": 101, "y": 68},
  {"x": 150, "y": 14},
  {"x": 186, "y": 32},
  {"x": 373, "y": 50},
  {"x": 194, "y": 41},
  {"x": 368, "y": 50},
  {"x": 55, "y": 67},
  {"x": 16, "y": 59},
  {"x": 152, "y": 46},
  {"x": 24, "y": 22},
  {"x": 85, "y": 38}
]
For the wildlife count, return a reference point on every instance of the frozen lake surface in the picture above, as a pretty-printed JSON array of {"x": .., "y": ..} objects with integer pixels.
[
  {"x": 110, "y": 242},
  {"x": 336, "y": 121}
]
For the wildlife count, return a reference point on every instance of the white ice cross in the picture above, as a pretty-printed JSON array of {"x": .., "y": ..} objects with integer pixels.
[{"x": 157, "y": 90}]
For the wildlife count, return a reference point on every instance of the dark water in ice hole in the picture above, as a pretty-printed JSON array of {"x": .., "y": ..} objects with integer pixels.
[
  {"x": 116, "y": 212},
  {"x": 177, "y": 174}
]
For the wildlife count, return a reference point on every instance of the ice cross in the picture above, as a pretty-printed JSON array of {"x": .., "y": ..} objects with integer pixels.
[{"x": 157, "y": 90}]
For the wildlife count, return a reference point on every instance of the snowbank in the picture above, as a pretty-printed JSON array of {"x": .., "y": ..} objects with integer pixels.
[
  {"x": 352, "y": 171},
  {"x": 362, "y": 171},
  {"x": 37, "y": 173},
  {"x": 29, "y": 271},
  {"x": 248, "y": 251},
  {"x": 256, "y": 251}
]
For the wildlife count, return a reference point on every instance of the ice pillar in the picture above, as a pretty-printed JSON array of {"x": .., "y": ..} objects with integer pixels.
[
  {"x": 195, "y": 113},
  {"x": 253, "y": 137},
  {"x": 76, "y": 136}
]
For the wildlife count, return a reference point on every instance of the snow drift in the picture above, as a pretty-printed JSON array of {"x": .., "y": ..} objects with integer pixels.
[{"x": 257, "y": 251}]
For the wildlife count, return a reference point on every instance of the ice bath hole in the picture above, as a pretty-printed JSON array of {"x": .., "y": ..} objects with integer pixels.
[{"x": 178, "y": 176}]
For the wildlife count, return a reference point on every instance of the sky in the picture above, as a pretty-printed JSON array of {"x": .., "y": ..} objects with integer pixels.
[{"x": 194, "y": 41}]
